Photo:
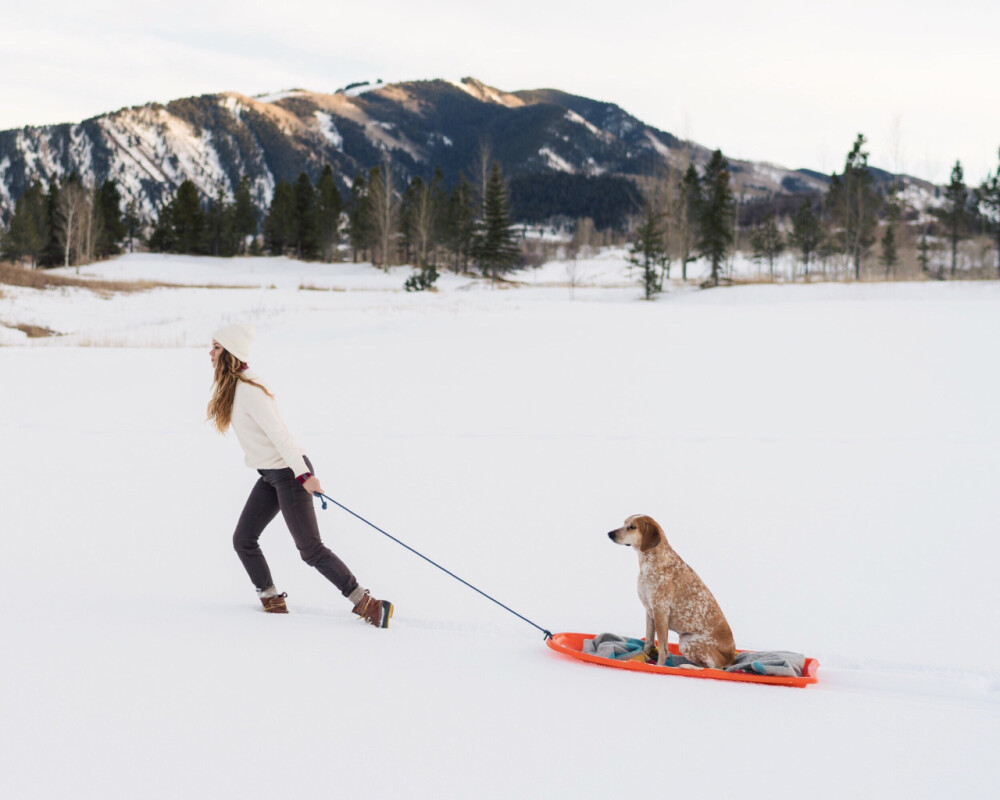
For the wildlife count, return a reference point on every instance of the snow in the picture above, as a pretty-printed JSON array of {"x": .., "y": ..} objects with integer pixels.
[
  {"x": 329, "y": 130},
  {"x": 555, "y": 161},
  {"x": 825, "y": 456},
  {"x": 274, "y": 97}
]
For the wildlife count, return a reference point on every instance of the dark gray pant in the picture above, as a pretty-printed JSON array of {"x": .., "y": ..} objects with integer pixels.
[{"x": 278, "y": 490}]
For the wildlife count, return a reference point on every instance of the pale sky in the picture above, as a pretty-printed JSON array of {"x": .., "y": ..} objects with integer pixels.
[{"x": 770, "y": 80}]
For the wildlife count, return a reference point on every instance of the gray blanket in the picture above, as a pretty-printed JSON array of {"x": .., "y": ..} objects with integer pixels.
[{"x": 764, "y": 662}]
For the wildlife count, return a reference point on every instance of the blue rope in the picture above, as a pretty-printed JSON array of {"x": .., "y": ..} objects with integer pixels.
[{"x": 323, "y": 498}]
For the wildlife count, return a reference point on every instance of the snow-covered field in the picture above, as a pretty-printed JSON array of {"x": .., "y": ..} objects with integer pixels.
[{"x": 827, "y": 458}]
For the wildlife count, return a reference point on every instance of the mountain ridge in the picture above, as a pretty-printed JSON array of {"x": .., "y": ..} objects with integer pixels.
[{"x": 214, "y": 139}]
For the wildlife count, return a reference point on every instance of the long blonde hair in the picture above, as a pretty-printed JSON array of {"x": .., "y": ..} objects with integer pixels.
[{"x": 228, "y": 373}]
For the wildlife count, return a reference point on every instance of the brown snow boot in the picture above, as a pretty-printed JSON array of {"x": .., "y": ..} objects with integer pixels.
[
  {"x": 275, "y": 604},
  {"x": 374, "y": 612}
]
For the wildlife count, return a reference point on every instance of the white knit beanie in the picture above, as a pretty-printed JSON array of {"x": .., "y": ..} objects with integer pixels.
[{"x": 237, "y": 339}]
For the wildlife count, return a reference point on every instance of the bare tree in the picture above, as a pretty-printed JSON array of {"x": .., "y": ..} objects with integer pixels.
[
  {"x": 424, "y": 222},
  {"x": 385, "y": 212},
  {"x": 71, "y": 221},
  {"x": 580, "y": 246}
]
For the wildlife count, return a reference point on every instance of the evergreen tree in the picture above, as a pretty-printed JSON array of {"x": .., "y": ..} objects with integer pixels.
[
  {"x": 220, "y": 237},
  {"x": 132, "y": 224},
  {"x": 495, "y": 247},
  {"x": 359, "y": 216},
  {"x": 187, "y": 221},
  {"x": 460, "y": 223},
  {"x": 439, "y": 203},
  {"x": 53, "y": 252},
  {"x": 244, "y": 215},
  {"x": 279, "y": 225},
  {"x": 924, "y": 253},
  {"x": 806, "y": 234},
  {"x": 30, "y": 229},
  {"x": 305, "y": 218},
  {"x": 649, "y": 250},
  {"x": 407, "y": 215},
  {"x": 955, "y": 213},
  {"x": 890, "y": 253},
  {"x": 853, "y": 204},
  {"x": 715, "y": 222},
  {"x": 767, "y": 242},
  {"x": 328, "y": 207},
  {"x": 989, "y": 193},
  {"x": 112, "y": 226},
  {"x": 688, "y": 214}
]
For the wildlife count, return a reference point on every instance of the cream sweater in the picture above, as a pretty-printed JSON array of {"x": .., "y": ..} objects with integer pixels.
[{"x": 262, "y": 432}]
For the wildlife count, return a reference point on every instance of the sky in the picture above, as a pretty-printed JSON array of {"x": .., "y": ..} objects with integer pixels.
[{"x": 771, "y": 80}]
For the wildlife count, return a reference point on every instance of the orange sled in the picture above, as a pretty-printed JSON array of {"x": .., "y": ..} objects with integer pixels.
[{"x": 571, "y": 644}]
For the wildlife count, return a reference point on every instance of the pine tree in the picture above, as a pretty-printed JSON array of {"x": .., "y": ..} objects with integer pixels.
[
  {"x": 715, "y": 222},
  {"x": 328, "y": 207},
  {"x": 279, "y": 225},
  {"x": 112, "y": 228},
  {"x": 359, "y": 215},
  {"x": 806, "y": 234},
  {"x": 187, "y": 221},
  {"x": 853, "y": 204},
  {"x": 460, "y": 224},
  {"x": 924, "y": 254},
  {"x": 30, "y": 229},
  {"x": 649, "y": 250},
  {"x": 244, "y": 215},
  {"x": 890, "y": 253},
  {"x": 495, "y": 248},
  {"x": 132, "y": 223},
  {"x": 407, "y": 213},
  {"x": 990, "y": 194},
  {"x": 767, "y": 242},
  {"x": 220, "y": 237},
  {"x": 955, "y": 213},
  {"x": 305, "y": 218},
  {"x": 439, "y": 202},
  {"x": 688, "y": 213}
]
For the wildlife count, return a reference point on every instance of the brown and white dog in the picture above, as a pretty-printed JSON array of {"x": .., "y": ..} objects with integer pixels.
[{"x": 675, "y": 598}]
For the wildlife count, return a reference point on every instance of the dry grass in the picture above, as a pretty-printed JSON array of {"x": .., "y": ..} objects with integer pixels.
[
  {"x": 34, "y": 331},
  {"x": 310, "y": 287},
  {"x": 13, "y": 275}
]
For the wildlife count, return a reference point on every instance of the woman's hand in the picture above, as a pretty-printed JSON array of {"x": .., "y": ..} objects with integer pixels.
[{"x": 311, "y": 485}]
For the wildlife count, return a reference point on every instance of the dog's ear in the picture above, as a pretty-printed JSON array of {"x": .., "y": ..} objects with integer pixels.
[{"x": 651, "y": 534}]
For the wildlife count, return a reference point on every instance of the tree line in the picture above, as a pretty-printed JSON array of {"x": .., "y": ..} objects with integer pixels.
[
  {"x": 421, "y": 223},
  {"x": 68, "y": 223},
  {"x": 862, "y": 229},
  {"x": 858, "y": 228},
  {"x": 862, "y": 226}
]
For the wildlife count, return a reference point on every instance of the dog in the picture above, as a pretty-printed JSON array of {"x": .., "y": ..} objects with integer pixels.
[{"x": 675, "y": 598}]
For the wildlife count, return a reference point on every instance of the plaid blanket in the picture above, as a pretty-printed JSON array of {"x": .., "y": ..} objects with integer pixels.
[{"x": 760, "y": 662}]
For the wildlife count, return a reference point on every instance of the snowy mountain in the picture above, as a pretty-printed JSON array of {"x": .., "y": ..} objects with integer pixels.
[{"x": 214, "y": 139}]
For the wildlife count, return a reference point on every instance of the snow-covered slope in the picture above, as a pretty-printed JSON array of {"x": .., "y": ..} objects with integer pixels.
[{"x": 825, "y": 456}]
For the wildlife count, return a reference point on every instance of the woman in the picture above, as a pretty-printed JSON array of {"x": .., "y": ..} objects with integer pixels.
[{"x": 286, "y": 484}]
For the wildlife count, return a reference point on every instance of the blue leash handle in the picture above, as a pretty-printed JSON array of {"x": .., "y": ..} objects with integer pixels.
[{"x": 323, "y": 498}]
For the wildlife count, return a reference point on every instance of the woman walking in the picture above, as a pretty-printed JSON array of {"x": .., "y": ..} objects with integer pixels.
[{"x": 287, "y": 483}]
